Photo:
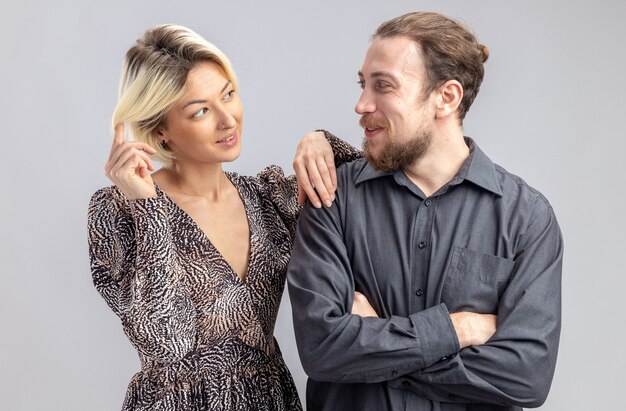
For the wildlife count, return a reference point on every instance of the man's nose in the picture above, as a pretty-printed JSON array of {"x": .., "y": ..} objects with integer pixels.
[{"x": 365, "y": 104}]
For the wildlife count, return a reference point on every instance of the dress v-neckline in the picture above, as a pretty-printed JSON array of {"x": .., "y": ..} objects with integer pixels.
[{"x": 231, "y": 177}]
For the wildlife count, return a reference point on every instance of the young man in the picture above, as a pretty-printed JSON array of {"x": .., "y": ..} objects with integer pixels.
[{"x": 397, "y": 288}]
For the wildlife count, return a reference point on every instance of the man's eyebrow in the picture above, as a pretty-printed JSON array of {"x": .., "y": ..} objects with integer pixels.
[
  {"x": 385, "y": 74},
  {"x": 378, "y": 74},
  {"x": 204, "y": 101}
]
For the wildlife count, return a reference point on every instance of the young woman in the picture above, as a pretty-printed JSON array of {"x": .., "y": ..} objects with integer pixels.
[{"x": 191, "y": 258}]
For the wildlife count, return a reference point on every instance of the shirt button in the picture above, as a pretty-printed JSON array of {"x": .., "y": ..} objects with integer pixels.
[
  {"x": 419, "y": 292},
  {"x": 422, "y": 244},
  {"x": 394, "y": 373},
  {"x": 427, "y": 203}
]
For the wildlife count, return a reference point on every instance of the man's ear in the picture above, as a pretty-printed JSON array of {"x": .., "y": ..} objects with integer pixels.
[{"x": 449, "y": 98}]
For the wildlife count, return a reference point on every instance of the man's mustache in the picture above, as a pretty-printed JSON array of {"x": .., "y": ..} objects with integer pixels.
[{"x": 368, "y": 121}]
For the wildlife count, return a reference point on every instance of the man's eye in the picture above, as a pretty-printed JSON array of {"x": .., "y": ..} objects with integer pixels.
[
  {"x": 381, "y": 85},
  {"x": 200, "y": 112},
  {"x": 361, "y": 83}
]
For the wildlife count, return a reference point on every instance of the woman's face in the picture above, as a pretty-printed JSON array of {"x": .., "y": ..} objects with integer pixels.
[{"x": 205, "y": 125}]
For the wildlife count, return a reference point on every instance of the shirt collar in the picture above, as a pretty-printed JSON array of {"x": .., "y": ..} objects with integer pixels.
[
  {"x": 477, "y": 169},
  {"x": 369, "y": 172}
]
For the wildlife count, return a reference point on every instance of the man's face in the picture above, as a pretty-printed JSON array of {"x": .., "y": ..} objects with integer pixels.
[{"x": 396, "y": 116}]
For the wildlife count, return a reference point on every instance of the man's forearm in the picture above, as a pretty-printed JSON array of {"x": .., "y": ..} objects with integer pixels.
[{"x": 336, "y": 345}]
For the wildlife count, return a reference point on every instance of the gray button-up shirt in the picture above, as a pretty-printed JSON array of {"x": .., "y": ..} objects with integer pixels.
[{"x": 486, "y": 242}]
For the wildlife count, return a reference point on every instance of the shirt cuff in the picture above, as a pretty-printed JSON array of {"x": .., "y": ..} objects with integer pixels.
[{"x": 437, "y": 335}]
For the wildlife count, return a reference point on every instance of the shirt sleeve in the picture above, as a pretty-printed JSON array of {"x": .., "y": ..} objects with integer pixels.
[
  {"x": 516, "y": 366},
  {"x": 283, "y": 190},
  {"x": 134, "y": 268},
  {"x": 337, "y": 346}
]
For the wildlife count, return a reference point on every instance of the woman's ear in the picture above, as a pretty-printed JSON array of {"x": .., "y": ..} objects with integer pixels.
[
  {"x": 159, "y": 132},
  {"x": 160, "y": 135}
]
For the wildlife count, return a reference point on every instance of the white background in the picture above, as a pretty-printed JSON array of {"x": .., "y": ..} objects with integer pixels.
[{"x": 551, "y": 110}]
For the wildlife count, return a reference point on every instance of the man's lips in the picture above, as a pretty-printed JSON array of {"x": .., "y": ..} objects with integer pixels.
[
  {"x": 372, "y": 126},
  {"x": 372, "y": 131}
]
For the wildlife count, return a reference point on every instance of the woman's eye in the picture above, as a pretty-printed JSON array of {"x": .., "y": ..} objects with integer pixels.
[
  {"x": 200, "y": 112},
  {"x": 229, "y": 95}
]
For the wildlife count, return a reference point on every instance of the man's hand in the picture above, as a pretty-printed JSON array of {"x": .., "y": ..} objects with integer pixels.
[
  {"x": 362, "y": 307},
  {"x": 473, "y": 328}
]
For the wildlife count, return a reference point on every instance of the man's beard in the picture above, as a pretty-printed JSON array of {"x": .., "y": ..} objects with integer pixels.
[{"x": 395, "y": 155}]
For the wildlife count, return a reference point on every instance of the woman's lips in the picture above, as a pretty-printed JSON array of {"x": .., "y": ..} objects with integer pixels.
[{"x": 228, "y": 141}]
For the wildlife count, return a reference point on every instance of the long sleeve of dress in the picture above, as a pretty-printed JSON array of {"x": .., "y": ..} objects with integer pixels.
[
  {"x": 344, "y": 152},
  {"x": 515, "y": 367},
  {"x": 283, "y": 190},
  {"x": 135, "y": 269}
]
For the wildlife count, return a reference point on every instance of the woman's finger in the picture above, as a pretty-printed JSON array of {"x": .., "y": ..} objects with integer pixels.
[
  {"x": 304, "y": 183},
  {"x": 118, "y": 136},
  {"x": 332, "y": 169},
  {"x": 123, "y": 171},
  {"x": 119, "y": 150},
  {"x": 318, "y": 183},
  {"x": 301, "y": 195},
  {"x": 322, "y": 168},
  {"x": 133, "y": 152}
]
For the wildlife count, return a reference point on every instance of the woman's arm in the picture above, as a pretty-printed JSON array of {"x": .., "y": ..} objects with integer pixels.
[
  {"x": 318, "y": 154},
  {"x": 133, "y": 264},
  {"x": 135, "y": 269}
]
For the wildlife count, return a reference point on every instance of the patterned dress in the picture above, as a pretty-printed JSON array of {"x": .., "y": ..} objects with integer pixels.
[{"x": 204, "y": 336}]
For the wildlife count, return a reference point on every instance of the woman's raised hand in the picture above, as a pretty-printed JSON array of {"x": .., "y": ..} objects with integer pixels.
[
  {"x": 129, "y": 166},
  {"x": 314, "y": 165}
]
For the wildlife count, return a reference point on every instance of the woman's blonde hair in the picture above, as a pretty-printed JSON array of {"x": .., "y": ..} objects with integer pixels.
[{"x": 154, "y": 77}]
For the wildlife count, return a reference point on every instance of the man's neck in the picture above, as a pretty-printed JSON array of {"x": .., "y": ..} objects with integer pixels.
[{"x": 440, "y": 164}]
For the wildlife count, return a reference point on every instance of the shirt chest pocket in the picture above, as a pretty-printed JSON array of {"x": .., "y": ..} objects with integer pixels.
[{"x": 475, "y": 281}]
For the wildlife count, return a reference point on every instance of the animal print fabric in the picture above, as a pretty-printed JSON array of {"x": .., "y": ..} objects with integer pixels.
[{"x": 204, "y": 336}]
